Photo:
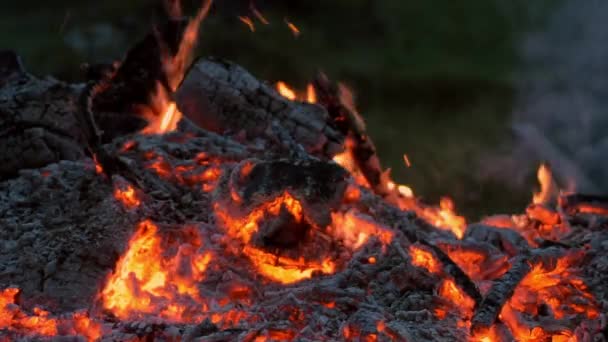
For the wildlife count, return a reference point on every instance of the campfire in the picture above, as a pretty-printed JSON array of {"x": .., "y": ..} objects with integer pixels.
[{"x": 178, "y": 200}]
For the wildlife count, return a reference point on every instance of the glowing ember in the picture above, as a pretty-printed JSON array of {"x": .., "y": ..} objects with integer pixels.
[
  {"x": 258, "y": 14},
  {"x": 285, "y": 270},
  {"x": 354, "y": 230},
  {"x": 98, "y": 167},
  {"x": 280, "y": 269},
  {"x": 294, "y": 29},
  {"x": 147, "y": 282},
  {"x": 127, "y": 196},
  {"x": 545, "y": 178},
  {"x": 425, "y": 259},
  {"x": 247, "y": 21},
  {"x": 406, "y": 160},
  {"x": 459, "y": 300},
  {"x": 40, "y": 322}
]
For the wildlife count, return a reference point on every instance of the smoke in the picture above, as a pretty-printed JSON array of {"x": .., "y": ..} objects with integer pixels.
[{"x": 561, "y": 109}]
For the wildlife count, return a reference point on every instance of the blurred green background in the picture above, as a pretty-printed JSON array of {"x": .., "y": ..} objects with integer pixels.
[{"x": 434, "y": 78}]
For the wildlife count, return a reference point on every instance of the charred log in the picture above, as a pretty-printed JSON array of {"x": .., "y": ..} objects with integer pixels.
[
  {"x": 502, "y": 289},
  {"x": 222, "y": 97}
]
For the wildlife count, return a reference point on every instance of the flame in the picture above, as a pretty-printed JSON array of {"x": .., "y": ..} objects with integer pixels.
[
  {"x": 443, "y": 217},
  {"x": 175, "y": 66},
  {"x": 545, "y": 178},
  {"x": 311, "y": 94},
  {"x": 425, "y": 259},
  {"x": 163, "y": 114},
  {"x": 293, "y": 28},
  {"x": 147, "y": 282},
  {"x": 127, "y": 196},
  {"x": 555, "y": 287},
  {"x": 286, "y": 91},
  {"x": 247, "y": 21}
]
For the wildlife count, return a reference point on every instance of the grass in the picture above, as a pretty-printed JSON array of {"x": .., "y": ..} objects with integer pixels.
[{"x": 434, "y": 77}]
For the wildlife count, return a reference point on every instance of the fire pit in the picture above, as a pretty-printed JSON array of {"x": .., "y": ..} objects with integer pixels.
[{"x": 168, "y": 201}]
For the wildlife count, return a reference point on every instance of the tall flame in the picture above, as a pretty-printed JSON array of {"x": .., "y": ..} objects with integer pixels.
[{"x": 545, "y": 178}]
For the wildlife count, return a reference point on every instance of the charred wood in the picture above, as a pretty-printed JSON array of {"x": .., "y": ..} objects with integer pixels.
[{"x": 501, "y": 291}]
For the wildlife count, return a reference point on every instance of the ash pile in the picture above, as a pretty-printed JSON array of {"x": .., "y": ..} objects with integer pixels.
[{"x": 161, "y": 202}]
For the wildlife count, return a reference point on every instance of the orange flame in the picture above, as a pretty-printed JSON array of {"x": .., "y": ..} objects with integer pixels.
[
  {"x": 175, "y": 66},
  {"x": 311, "y": 94},
  {"x": 556, "y": 287},
  {"x": 545, "y": 178},
  {"x": 163, "y": 114},
  {"x": 146, "y": 282},
  {"x": 286, "y": 91}
]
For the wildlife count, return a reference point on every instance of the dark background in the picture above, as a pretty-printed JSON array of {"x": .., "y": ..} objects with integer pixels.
[{"x": 435, "y": 79}]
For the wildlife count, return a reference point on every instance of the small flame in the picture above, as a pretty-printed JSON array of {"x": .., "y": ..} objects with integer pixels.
[
  {"x": 286, "y": 91},
  {"x": 169, "y": 115},
  {"x": 311, "y": 94},
  {"x": 247, "y": 21},
  {"x": 545, "y": 178}
]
